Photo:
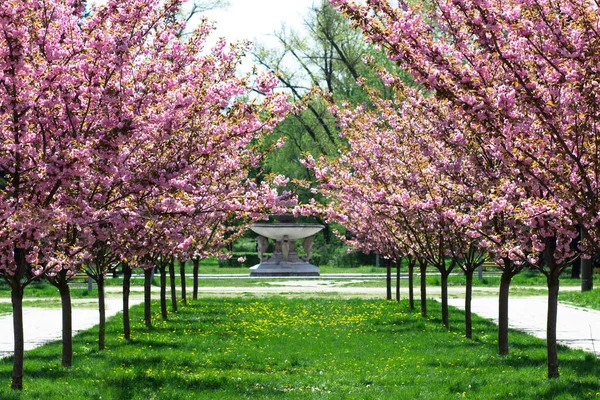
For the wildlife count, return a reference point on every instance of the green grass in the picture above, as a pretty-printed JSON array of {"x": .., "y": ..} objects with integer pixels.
[
  {"x": 590, "y": 299},
  {"x": 525, "y": 278},
  {"x": 5, "y": 308},
  {"x": 232, "y": 348},
  {"x": 42, "y": 289}
]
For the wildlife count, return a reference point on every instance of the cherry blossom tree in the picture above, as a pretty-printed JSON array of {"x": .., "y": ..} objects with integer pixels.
[
  {"x": 393, "y": 174},
  {"x": 105, "y": 113},
  {"x": 522, "y": 75}
]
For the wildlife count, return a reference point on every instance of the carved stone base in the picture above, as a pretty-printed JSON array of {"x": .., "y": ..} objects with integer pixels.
[{"x": 277, "y": 266}]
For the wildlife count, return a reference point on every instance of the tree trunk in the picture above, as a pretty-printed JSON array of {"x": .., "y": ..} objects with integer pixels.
[
  {"x": 587, "y": 274},
  {"x": 553, "y": 286},
  {"x": 19, "y": 346},
  {"x": 423, "y": 269},
  {"x": 196, "y": 267},
  {"x": 468, "y": 296},
  {"x": 183, "y": 285},
  {"x": 17, "y": 309},
  {"x": 67, "y": 320},
  {"x": 444, "y": 285},
  {"x": 173, "y": 286},
  {"x": 148, "y": 296},
  {"x": 411, "y": 291},
  {"x": 126, "y": 290},
  {"x": 587, "y": 271},
  {"x": 503, "y": 312},
  {"x": 388, "y": 279},
  {"x": 102, "y": 312},
  {"x": 163, "y": 290},
  {"x": 398, "y": 282},
  {"x": 576, "y": 269}
]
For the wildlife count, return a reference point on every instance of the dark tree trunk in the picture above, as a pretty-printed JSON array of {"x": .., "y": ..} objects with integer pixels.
[
  {"x": 173, "y": 286},
  {"x": 17, "y": 309},
  {"x": 61, "y": 282},
  {"x": 388, "y": 279},
  {"x": 19, "y": 346},
  {"x": 444, "y": 285},
  {"x": 196, "y": 267},
  {"x": 503, "y": 311},
  {"x": 183, "y": 285},
  {"x": 468, "y": 296},
  {"x": 587, "y": 274},
  {"x": 553, "y": 286},
  {"x": 398, "y": 282},
  {"x": 126, "y": 290},
  {"x": 587, "y": 271},
  {"x": 411, "y": 290},
  {"x": 423, "y": 269},
  {"x": 148, "y": 296},
  {"x": 102, "y": 312},
  {"x": 576, "y": 269},
  {"x": 67, "y": 320},
  {"x": 163, "y": 290}
]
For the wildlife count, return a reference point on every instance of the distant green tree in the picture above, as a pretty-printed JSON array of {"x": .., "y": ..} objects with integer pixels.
[{"x": 329, "y": 55}]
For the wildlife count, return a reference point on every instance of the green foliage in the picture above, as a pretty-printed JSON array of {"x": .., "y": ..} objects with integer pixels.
[
  {"x": 328, "y": 54},
  {"x": 338, "y": 256},
  {"x": 222, "y": 348},
  {"x": 250, "y": 260},
  {"x": 245, "y": 244}
]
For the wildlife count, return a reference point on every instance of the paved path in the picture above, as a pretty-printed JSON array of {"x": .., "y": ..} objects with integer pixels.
[
  {"x": 43, "y": 325},
  {"x": 576, "y": 327}
]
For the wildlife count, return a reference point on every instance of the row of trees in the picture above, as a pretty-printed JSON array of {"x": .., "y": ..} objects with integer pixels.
[
  {"x": 494, "y": 151},
  {"x": 123, "y": 140}
]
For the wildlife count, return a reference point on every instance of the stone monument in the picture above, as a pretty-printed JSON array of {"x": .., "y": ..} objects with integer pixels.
[{"x": 285, "y": 260}]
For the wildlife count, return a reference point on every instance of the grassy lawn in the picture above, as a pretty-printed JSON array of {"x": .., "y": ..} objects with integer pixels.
[
  {"x": 5, "y": 308},
  {"x": 43, "y": 289},
  {"x": 232, "y": 348},
  {"x": 589, "y": 299}
]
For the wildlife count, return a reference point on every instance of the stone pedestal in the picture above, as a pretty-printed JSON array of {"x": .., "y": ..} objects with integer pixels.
[
  {"x": 276, "y": 265},
  {"x": 285, "y": 260}
]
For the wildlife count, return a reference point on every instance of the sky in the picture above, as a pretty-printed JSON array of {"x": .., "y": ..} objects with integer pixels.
[{"x": 256, "y": 20}]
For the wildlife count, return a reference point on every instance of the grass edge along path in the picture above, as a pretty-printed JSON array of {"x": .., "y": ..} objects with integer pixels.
[
  {"x": 230, "y": 348},
  {"x": 589, "y": 299}
]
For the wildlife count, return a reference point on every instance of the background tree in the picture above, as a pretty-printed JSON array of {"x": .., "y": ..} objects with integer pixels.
[{"x": 328, "y": 55}]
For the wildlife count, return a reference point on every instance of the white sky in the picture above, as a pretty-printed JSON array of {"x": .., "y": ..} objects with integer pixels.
[{"x": 257, "y": 19}]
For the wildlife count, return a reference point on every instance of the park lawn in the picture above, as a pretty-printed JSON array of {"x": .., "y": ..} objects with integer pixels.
[
  {"x": 590, "y": 299},
  {"x": 5, "y": 308},
  {"x": 43, "y": 289},
  {"x": 231, "y": 348}
]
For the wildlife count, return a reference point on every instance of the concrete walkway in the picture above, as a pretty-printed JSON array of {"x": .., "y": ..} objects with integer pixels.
[
  {"x": 43, "y": 325},
  {"x": 577, "y": 327}
]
